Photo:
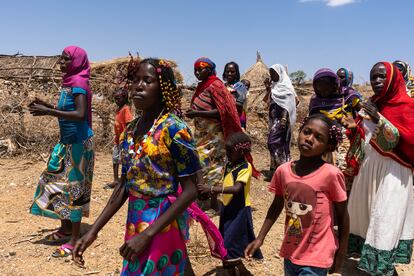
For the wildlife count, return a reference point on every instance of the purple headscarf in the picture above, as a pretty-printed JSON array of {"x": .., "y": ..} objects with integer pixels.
[
  {"x": 325, "y": 72},
  {"x": 78, "y": 73}
]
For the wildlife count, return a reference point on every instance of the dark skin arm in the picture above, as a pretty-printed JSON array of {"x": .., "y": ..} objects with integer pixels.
[
  {"x": 341, "y": 211},
  {"x": 115, "y": 202},
  {"x": 40, "y": 108},
  {"x": 272, "y": 214},
  {"x": 212, "y": 114},
  {"x": 235, "y": 189},
  {"x": 283, "y": 118}
]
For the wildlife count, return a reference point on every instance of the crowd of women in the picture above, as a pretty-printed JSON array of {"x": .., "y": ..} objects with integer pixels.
[{"x": 355, "y": 168}]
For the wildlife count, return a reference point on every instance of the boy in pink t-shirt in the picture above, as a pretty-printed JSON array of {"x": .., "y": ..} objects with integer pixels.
[{"x": 310, "y": 190}]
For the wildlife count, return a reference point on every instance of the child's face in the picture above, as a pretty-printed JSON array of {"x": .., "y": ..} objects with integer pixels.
[
  {"x": 325, "y": 87},
  {"x": 246, "y": 83},
  {"x": 119, "y": 99},
  {"x": 342, "y": 76},
  {"x": 313, "y": 138},
  {"x": 233, "y": 155}
]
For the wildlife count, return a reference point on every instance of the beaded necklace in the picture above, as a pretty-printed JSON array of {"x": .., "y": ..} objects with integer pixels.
[{"x": 136, "y": 154}]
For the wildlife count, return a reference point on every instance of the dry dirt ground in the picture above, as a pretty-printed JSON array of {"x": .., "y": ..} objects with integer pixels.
[{"x": 24, "y": 252}]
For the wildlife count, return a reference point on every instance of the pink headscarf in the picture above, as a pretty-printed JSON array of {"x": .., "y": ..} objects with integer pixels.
[{"x": 78, "y": 73}]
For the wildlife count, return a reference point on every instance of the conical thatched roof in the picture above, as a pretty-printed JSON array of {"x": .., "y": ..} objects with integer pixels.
[{"x": 256, "y": 74}]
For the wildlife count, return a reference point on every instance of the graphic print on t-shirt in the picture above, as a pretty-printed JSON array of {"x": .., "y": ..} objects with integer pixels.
[{"x": 300, "y": 203}]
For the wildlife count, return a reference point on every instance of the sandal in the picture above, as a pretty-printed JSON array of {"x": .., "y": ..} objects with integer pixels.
[
  {"x": 57, "y": 236},
  {"x": 63, "y": 251}
]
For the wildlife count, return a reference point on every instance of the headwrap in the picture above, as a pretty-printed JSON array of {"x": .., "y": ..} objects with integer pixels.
[
  {"x": 77, "y": 75},
  {"x": 398, "y": 108},
  {"x": 204, "y": 62},
  {"x": 225, "y": 103},
  {"x": 283, "y": 93}
]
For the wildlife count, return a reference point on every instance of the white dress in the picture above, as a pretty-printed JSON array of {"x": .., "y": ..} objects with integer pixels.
[{"x": 381, "y": 210}]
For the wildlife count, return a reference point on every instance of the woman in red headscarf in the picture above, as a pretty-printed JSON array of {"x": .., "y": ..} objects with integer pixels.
[
  {"x": 64, "y": 187},
  {"x": 381, "y": 205},
  {"x": 215, "y": 118}
]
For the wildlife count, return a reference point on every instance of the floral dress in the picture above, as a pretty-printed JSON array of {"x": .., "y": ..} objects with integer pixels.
[{"x": 153, "y": 165}]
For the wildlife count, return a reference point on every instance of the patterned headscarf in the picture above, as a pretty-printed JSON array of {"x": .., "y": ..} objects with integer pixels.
[
  {"x": 205, "y": 62},
  {"x": 78, "y": 74}
]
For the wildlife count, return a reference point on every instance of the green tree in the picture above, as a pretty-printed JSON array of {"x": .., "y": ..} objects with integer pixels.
[{"x": 298, "y": 77}]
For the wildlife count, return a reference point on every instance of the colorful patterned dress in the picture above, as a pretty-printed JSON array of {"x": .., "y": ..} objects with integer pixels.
[
  {"x": 64, "y": 187},
  {"x": 152, "y": 167},
  {"x": 210, "y": 140}
]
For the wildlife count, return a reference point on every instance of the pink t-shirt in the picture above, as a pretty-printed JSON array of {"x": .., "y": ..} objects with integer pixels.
[{"x": 309, "y": 235}]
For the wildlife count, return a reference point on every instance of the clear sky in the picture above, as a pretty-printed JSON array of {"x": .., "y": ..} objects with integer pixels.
[{"x": 304, "y": 34}]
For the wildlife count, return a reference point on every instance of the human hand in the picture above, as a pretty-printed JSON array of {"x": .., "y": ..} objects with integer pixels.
[
  {"x": 252, "y": 247},
  {"x": 283, "y": 122},
  {"x": 348, "y": 122},
  {"x": 204, "y": 189},
  {"x": 81, "y": 245},
  {"x": 37, "y": 109},
  {"x": 132, "y": 248},
  {"x": 191, "y": 113},
  {"x": 371, "y": 109}
]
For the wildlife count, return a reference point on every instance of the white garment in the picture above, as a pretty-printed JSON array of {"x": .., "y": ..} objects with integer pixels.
[
  {"x": 283, "y": 93},
  {"x": 381, "y": 205}
]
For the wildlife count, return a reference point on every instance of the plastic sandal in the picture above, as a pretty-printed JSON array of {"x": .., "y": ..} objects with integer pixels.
[
  {"x": 63, "y": 251},
  {"x": 57, "y": 236}
]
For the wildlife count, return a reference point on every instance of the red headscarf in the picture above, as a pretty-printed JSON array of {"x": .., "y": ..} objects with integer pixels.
[
  {"x": 397, "y": 107},
  {"x": 225, "y": 103}
]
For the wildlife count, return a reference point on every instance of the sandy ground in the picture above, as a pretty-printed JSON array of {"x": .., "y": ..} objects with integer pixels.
[{"x": 24, "y": 252}]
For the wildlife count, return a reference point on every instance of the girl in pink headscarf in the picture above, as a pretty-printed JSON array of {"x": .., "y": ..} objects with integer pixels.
[{"x": 64, "y": 187}]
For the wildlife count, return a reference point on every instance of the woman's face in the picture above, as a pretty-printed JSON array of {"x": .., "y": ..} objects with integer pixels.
[
  {"x": 145, "y": 89},
  {"x": 325, "y": 87},
  {"x": 202, "y": 73},
  {"x": 230, "y": 73},
  {"x": 378, "y": 77},
  {"x": 64, "y": 62},
  {"x": 274, "y": 76}
]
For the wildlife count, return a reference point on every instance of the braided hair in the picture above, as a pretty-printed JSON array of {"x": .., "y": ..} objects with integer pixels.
[
  {"x": 170, "y": 92},
  {"x": 236, "y": 66},
  {"x": 335, "y": 129},
  {"x": 239, "y": 141}
]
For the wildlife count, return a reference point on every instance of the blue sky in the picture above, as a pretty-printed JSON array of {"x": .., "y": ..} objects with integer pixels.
[{"x": 304, "y": 34}]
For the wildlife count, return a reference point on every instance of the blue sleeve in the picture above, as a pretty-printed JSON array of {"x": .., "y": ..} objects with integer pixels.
[
  {"x": 183, "y": 150},
  {"x": 78, "y": 90}
]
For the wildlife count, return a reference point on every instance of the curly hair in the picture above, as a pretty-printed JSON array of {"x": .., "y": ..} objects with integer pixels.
[
  {"x": 335, "y": 129},
  {"x": 171, "y": 94}
]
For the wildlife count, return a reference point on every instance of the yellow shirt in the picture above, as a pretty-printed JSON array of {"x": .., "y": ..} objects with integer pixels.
[{"x": 241, "y": 173}]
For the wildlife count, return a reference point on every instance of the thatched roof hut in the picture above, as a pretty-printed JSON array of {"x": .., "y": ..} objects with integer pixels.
[{"x": 256, "y": 74}]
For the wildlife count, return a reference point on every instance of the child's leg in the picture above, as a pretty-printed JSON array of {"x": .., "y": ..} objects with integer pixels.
[
  {"x": 75, "y": 232},
  {"x": 116, "y": 170},
  {"x": 66, "y": 226}
]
